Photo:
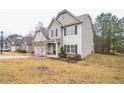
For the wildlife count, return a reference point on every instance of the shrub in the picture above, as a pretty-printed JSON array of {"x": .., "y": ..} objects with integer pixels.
[
  {"x": 121, "y": 51},
  {"x": 32, "y": 52},
  {"x": 62, "y": 53},
  {"x": 21, "y": 51},
  {"x": 18, "y": 50},
  {"x": 74, "y": 56}
]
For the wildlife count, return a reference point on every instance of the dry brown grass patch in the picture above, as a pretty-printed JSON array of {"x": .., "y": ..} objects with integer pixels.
[{"x": 96, "y": 68}]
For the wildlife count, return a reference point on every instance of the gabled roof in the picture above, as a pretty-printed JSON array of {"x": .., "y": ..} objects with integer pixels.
[
  {"x": 54, "y": 20},
  {"x": 44, "y": 31},
  {"x": 80, "y": 18},
  {"x": 17, "y": 41},
  {"x": 63, "y": 11},
  {"x": 83, "y": 17},
  {"x": 66, "y": 11},
  {"x": 28, "y": 40},
  {"x": 10, "y": 37}
]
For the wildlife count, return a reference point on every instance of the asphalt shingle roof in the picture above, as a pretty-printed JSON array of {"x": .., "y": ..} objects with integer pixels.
[
  {"x": 28, "y": 40},
  {"x": 83, "y": 17},
  {"x": 17, "y": 41}
]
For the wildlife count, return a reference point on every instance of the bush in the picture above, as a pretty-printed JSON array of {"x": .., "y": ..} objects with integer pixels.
[
  {"x": 121, "y": 51},
  {"x": 32, "y": 52},
  {"x": 62, "y": 53},
  {"x": 18, "y": 50},
  {"x": 74, "y": 56},
  {"x": 21, "y": 51}
]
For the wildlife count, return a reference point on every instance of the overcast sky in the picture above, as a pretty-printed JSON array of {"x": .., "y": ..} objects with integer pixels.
[{"x": 23, "y": 21}]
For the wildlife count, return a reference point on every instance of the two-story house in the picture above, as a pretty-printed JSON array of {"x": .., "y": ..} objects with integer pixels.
[
  {"x": 9, "y": 40},
  {"x": 74, "y": 33}
]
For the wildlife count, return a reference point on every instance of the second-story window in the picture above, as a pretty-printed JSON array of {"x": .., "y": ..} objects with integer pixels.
[
  {"x": 70, "y": 30},
  {"x": 51, "y": 33},
  {"x": 54, "y": 33}
]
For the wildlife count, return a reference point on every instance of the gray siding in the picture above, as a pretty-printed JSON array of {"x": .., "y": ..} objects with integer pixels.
[{"x": 87, "y": 38}]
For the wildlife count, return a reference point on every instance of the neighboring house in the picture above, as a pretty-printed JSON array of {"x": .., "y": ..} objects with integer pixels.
[
  {"x": 4, "y": 46},
  {"x": 9, "y": 39},
  {"x": 74, "y": 33},
  {"x": 16, "y": 44},
  {"x": 39, "y": 42},
  {"x": 26, "y": 44},
  {"x": 8, "y": 45}
]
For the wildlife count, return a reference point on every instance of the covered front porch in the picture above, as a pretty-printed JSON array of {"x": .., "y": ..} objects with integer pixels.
[{"x": 53, "y": 48}]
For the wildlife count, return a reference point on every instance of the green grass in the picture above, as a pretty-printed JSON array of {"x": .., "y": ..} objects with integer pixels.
[{"x": 96, "y": 68}]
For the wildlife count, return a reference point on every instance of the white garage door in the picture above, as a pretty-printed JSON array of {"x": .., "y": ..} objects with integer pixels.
[{"x": 13, "y": 49}]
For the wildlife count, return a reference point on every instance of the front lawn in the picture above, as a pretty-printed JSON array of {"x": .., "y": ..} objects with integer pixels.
[
  {"x": 14, "y": 53},
  {"x": 96, "y": 68}
]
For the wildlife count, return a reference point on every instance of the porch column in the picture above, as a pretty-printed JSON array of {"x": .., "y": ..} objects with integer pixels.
[
  {"x": 46, "y": 48},
  {"x": 57, "y": 49}
]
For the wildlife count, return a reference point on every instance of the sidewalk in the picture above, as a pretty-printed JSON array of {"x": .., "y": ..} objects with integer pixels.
[{"x": 13, "y": 57}]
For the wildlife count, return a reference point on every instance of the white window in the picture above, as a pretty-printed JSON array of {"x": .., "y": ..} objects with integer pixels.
[
  {"x": 51, "y": 33},
  {"x": 54, "y": 33},
  {"x": 71, "y": 48},
  {"x": 70, "y": 30},
  {"x": 67, "y": 48}
]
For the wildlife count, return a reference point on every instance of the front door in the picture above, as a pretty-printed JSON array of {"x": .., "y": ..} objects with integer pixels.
[{"x": 54, "y": 49}]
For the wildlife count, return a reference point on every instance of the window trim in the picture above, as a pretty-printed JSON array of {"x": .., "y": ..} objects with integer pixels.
[
  {"x": 72, "y": 30},
  {"x": 65, "y": 31},
  {"x": 72, "y": 48},
  {"x": 54, "y": 33},
  {"x": 75, "y": 29},
  {"x": 51, "y": 33},
  {"x": 68, "y": 48},
  {"x": 75, "y": 48}
]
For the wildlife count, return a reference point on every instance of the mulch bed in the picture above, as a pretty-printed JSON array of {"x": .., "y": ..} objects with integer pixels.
[
  {"x": 42, "y": 69},
  {"x": 119, "y": 54},
  {"x": 72, "y": 61},
  {"x": 66, "y": 60}
]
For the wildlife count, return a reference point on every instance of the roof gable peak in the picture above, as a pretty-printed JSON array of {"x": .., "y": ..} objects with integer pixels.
[
  {"x": 54, "y": 20},
  {"x": 66, "y": 11}
]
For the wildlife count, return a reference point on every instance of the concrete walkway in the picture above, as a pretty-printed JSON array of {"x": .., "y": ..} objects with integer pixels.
[{"x": 13, "y": 57}]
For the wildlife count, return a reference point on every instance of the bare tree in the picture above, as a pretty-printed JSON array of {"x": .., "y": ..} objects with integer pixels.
[{"x": 39, "y": 26}]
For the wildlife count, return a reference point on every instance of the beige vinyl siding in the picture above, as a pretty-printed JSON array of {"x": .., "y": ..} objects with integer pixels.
[
  {"x": 55, "y": 26},
  {"x": 66, "y": 19}
]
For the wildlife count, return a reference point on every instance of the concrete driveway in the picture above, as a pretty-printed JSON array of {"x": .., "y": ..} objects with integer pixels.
[{"x": 13, "y": 57}]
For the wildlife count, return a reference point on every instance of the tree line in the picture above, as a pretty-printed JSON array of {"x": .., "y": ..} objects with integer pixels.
[{"x": 108, "y": 33}]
